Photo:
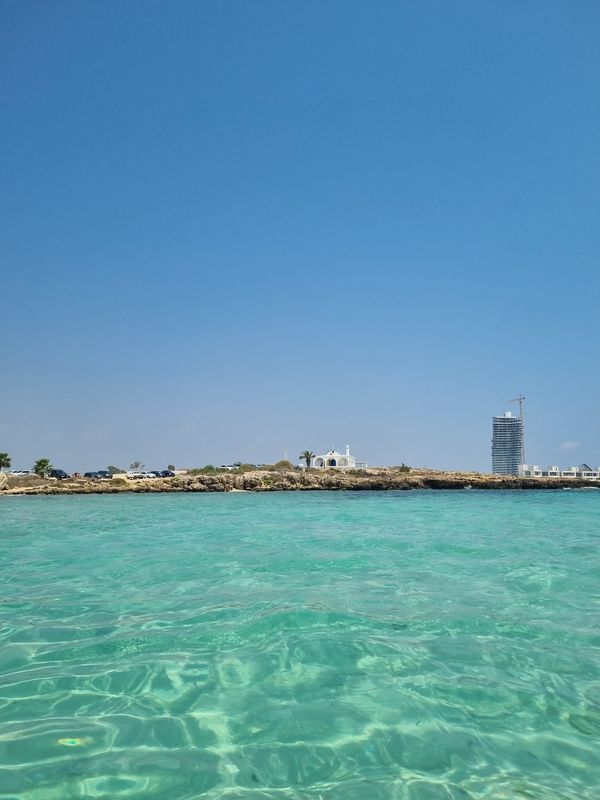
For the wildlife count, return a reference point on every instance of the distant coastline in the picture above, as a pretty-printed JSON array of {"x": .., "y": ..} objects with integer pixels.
[{"x": 372, "y": 479}]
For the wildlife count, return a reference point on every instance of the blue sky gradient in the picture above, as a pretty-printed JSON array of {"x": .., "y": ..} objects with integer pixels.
[{"x": 231, "y": 228}]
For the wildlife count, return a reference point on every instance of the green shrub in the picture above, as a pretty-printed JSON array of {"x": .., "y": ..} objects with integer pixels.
[
  {"x": 118, "y": 482},
  {"x": 209, "y": 469},
  {"x": 280, "y": 466},
  {"x": 283, "y": 466}
]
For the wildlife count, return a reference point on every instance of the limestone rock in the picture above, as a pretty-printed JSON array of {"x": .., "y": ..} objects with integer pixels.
[{"x": 372, "y": 479}]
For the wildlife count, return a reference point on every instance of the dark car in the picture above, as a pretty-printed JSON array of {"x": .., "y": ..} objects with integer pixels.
[
  {"x": 157, "y": 473},
  {"x": 59, "y": 474},
  {"x": 167, "y": 473},
  {"x": 92, "y": 475},
  {"x": 103, "y": 473}
]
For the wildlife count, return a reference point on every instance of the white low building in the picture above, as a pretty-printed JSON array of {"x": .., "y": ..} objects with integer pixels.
[
  {"x": 335, "y": 460},
  {"x": 582, "y": 471}
]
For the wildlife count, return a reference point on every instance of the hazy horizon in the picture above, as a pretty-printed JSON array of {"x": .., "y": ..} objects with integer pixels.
[{"x": 236, "y": 229}]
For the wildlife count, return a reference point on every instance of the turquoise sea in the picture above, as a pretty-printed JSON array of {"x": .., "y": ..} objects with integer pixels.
[{"x": 322, "y": 646}]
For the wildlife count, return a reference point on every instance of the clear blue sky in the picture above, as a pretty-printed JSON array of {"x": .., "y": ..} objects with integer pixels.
[{"x": 230, "y": 228}]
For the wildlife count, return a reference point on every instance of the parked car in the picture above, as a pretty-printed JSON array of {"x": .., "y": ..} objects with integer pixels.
[
  {"x": 59, "y": 474},
  {"x": 103, "y": 473},
  {"x": 20, "y": 473},
  {"x": 156, "y": 473},
  {"x": 167, "y": 473},
  {"x": 91, "y": 475}
]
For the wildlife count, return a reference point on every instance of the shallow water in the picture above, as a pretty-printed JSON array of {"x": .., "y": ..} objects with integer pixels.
[{"x": 331, "y": 646}]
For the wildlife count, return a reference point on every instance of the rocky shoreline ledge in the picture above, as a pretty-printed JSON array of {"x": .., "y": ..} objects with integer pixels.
[{"x": 384, "y": 479}]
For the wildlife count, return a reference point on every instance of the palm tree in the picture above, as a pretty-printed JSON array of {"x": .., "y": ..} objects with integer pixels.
[
  {"x": 4, "y": 461},
  {"x": 42, "y": 466},
  {"x": 308, "y": 456}
]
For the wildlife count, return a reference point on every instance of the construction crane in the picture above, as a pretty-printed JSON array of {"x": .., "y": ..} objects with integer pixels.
[{"x": 521, "y": 401}]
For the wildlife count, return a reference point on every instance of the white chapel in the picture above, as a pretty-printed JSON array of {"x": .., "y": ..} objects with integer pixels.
[{"x": 334, "y": 460}]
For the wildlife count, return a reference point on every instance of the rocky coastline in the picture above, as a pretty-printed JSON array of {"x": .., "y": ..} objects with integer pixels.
[{"x": 384, "y": 479}]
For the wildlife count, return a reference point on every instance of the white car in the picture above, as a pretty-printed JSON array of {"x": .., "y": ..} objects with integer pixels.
[{"x": 19, "y": 473}]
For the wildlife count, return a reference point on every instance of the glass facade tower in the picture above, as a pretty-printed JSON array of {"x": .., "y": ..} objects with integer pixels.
[{"x": 507, "y": 444}]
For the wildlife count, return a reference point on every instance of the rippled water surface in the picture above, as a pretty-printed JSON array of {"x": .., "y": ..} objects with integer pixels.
[{"x": 331, "y": 646}]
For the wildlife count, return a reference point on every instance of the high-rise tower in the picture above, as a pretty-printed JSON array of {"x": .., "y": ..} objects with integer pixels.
[{"x": 507, "y": 444}]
